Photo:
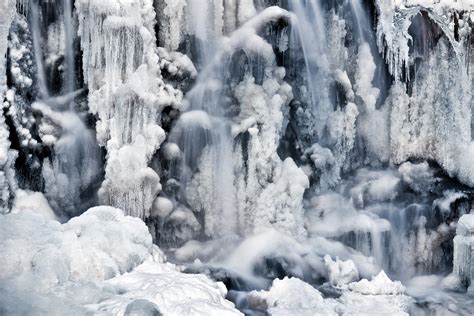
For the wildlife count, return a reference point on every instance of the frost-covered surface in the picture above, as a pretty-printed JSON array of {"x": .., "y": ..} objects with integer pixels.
[{"x": 100, "y": 262}]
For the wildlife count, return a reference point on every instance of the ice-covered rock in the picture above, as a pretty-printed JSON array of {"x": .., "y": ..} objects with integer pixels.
[
  {"x": 293, "y": 296},
  {"x": 419, "y": 177},
  {"x": 98, "y": 245}
]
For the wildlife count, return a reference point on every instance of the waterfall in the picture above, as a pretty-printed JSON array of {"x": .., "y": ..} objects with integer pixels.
[
  {"x": 69, "y": 49},
  {"x": 76, "y": 165},
  {"x": 205, "y": 123},
  {"x": 38, "y": 43},
  {"x": 311, "y": 156},
  {"x": 309, "y": 30}
]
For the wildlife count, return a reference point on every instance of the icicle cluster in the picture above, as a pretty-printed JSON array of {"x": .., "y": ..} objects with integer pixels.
[{"x": 127, "y": 94}]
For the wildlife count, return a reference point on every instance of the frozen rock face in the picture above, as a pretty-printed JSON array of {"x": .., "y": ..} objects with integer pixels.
[{"x": 464, "y": 250}]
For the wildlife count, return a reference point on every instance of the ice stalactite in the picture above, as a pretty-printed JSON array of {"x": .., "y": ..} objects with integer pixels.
[{"x": 127, "y": 93}]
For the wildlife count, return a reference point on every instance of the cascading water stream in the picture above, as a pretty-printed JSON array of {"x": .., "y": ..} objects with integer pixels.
[
  {"x": 69, "y": 55},
  {"x": 76, "y": 166},
  {"x": 308, "y": 29},
  {"x": 361, "y": 20},
  {"x": 204, "y": 135},
  {"x": 37, "y": 44}
]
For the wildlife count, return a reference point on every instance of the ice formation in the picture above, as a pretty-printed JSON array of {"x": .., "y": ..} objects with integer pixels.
[
  {"x": 127, "y": 94},
  {"x": 283, "y": 153},
  {"x": 463, "y": 249}
]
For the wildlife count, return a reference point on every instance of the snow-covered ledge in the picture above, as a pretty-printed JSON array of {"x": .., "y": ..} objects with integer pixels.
[{"x": 464, "y": 250}]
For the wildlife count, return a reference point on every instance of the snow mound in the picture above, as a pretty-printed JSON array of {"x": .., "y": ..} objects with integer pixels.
[
  {"x": 96, "y": 246},
  {"x": 102, "y": 262}
]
